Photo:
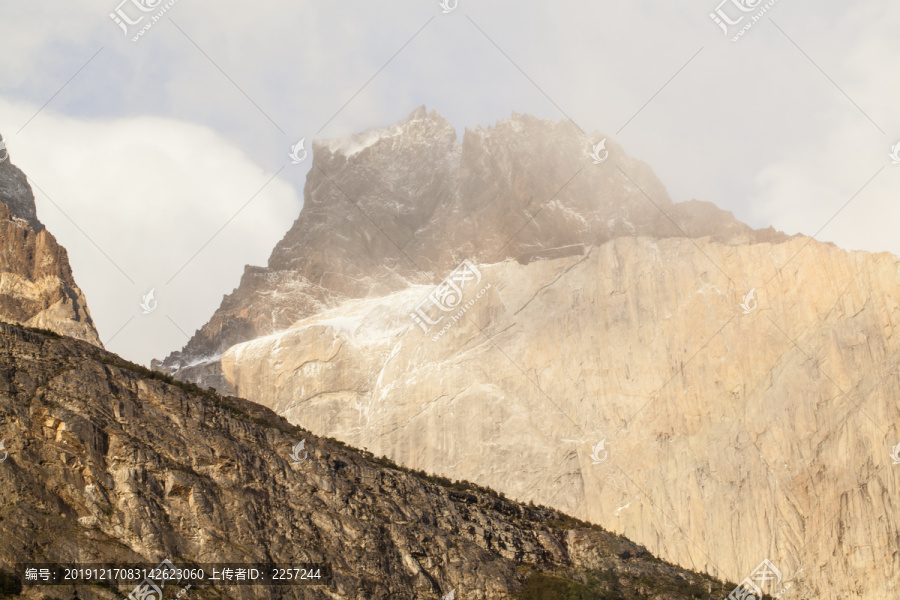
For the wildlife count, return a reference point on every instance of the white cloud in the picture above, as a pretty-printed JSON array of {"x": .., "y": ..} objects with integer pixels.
[{"x": 150, "y": 192}]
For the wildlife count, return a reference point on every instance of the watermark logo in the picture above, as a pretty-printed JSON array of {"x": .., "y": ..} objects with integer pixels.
[
  {"x": 121, "y": 18},
  {"x": 3, "y": 449},
  {"x": 895, "y": 453},
  {"x": 766, "y": 575},
  {"x": 449, "y": 5},
  {"x": 750, "y": 303},
  {"x": 726, "y": 19},
  {"x": 600, "y": 153},
  {"x": 147, "y": 589},
  {"x": 447, "y": 297},
  {"x": 596, "y": 450},
  {"x": 296, "y": 450},
  {"x": 6, "y": 152},
  {"x": 148, "y": 302},
  {"x": 895, "y": 154},
  {"x": 723, "y": 20},
  {"x": 451, "y": 595},
  {"x": 296, "y": 159}
]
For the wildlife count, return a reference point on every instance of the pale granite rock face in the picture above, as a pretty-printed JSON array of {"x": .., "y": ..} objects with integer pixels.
[
  {"x": 729, "y": 437},
  {"x": 608, "y": 369},
  {"x": 37, "y": 288}
]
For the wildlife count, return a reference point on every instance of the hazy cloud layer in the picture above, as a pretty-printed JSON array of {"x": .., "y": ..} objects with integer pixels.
[{"x": 155, "y": 144}]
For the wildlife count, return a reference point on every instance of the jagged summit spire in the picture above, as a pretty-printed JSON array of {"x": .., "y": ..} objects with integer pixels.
[
  {"x": 419, "y": 113},
  {"x": 419, "y": 127},
  {"x": 15, "y": 191}
]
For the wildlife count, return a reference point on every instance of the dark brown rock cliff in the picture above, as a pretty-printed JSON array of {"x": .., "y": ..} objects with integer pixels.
[{"x": 110, "y": 462}]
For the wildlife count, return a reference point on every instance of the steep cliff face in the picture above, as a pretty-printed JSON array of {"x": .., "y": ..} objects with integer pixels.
[
  {"x": 36, "y": 283},
  {"x": 728, "y": 437},
  {"x": 403, "y": 205},
  {"x": 108, "y": 462}
]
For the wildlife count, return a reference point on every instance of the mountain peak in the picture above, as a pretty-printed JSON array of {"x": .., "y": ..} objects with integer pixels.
[
  {"x": 419, "y": 113},
  {"x": 15, "y": 191},
  {"x": 418, "y": 126},
  {"x": 401, "y": 205},
  {"x": 38, "y": 289}
]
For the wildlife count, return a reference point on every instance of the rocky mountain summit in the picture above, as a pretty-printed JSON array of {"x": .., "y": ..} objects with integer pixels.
[
  {"x": 403, "y": 205},
  {"x": 509, "y": 311},
  {"x": 109, "y": 462},
  {"x": 36, "y": 283}
]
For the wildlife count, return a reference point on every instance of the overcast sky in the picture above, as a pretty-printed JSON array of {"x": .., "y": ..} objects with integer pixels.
[{"x": 163, "y": 163}]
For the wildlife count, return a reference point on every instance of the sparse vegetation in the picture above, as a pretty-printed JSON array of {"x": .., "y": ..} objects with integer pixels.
[
  {"x": 209, "y": 393},
  {"x": 9, "y": 585},
  {"x": 562, "y": 521},
  {"x": 146, "y": 373},
  {"x": 543, "y": 586},
  {"x": 566, "y": 522},
  {"x": 607, "y": 584},
  {"x": 38, "y": 330},
  {"x": 444, "y": 482}
]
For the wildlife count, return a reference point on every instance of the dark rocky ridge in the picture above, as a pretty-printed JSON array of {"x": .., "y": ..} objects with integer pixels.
[
  {"x": 111, "y": 462},
  {"x": 405, "y": 204}
]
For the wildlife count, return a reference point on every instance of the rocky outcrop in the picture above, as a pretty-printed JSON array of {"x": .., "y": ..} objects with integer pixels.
[
  {"x": 403, "y": 205},
  {"x": 110, "y": 463},
  {"x": 36, "y": 283}
]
